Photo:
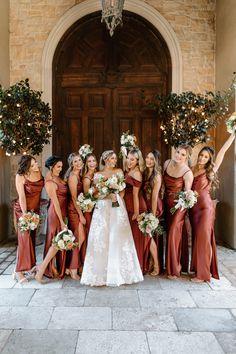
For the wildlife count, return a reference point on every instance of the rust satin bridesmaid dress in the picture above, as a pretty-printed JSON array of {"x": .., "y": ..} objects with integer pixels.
[
  {"x": 177, "y": 238},
  {"x": 73, "y": 257},
  {"x": 202, "y": 218},
  {"x": 147, "y": 193},
  {"x": 88, "y": 217},
  {"x": 53, "y": 227},
  {"x": 142, "y": 242},
  {"x": 26, "y": 258}
]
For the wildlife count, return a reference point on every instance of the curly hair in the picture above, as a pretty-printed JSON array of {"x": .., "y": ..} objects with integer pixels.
[
  {"x": 24, "y": 164},
  {"x": 209, "y": 166},
  {"x": 156, "y": 170}
]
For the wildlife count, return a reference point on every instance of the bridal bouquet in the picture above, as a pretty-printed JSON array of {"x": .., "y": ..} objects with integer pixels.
[
  {"x": 64, "y": 241},
  {"x": 113, "y": 184},
  {"x": 86, "y": 201},
  {"x": 128, "y": 142},
  {"x": 85, "y": 150},
  {"x": 186, "y": 200},
  {"x": 28, "y": 221},
  {"x": 149, "y": 224},
  {"x": 231, "y": 123}
]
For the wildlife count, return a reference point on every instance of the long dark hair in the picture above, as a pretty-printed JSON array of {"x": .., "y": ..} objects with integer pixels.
[
  {"x": 211, "y": 175},
  {"x": 24, "y": 164},
  {"x": 156, "y": 170}
]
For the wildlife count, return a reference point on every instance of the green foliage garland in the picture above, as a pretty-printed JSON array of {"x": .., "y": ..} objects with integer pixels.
[
  {"x": 187, "y": 117},
  {"x": 25, "y": 120}
]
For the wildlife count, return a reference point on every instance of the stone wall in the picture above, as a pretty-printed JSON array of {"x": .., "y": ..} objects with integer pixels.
[{"x": 192, "y": 20}]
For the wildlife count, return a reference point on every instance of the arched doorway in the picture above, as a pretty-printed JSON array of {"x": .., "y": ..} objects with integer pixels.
[{"x": 99, "y": 84}]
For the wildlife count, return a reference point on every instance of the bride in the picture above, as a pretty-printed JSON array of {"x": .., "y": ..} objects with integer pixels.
[{"x": 111, "y": 257}]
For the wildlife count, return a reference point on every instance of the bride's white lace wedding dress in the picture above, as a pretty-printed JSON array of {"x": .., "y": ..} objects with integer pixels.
[{"x": 111, "y": 257}]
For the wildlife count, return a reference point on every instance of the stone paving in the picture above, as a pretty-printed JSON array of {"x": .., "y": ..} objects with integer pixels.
[{"x": 157, "y": 316}]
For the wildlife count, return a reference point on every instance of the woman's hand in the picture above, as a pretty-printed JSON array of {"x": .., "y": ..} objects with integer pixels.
[
  {"x": 135, "y": 216},
  {"x": 82, "y": 219},
  {"x": 113, "y": 197},
  {"x": 63, "y": 226}
]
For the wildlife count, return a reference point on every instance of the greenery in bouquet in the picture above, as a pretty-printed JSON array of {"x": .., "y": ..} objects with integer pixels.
[
  {"x": 64, "y": 241},
  {"x": 87, "y": 201},
  {"x": 187, "y": 117},
  {"x": 112, "y": 185},
  {"x": 231, "y": 123},
  {"x": 186, "y": 200},
  {"x": 28, "y": 221},
  {"x": 149, "y": 224},
  {"x": 25, "y": 120}
]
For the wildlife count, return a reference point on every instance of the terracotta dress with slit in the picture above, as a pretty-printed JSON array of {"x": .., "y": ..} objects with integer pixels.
[
  {"x": 202, "y": 218},
  {"x": 88, "y": 217},
  {"x": 177, "y": 240},
  {"x": 142, "y": 242},
  {"x": 26, "y": 258},
  {"x": 53, "y": 227},
  {"x": 73, "y": 257},
  {"x": 147, "y": 193}
]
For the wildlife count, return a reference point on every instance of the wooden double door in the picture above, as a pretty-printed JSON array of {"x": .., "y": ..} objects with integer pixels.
[{"x": 102, "y": 85}]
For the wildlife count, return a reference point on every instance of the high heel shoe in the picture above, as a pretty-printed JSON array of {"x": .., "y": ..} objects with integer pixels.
[
  {"x": 155, "y": 272},
  {"x": 16, "y": 277},
  {"x": 72, "y": 274}
]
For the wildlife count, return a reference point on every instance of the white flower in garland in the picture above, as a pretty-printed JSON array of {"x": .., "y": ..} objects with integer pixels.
[{"x": 231, "y": 123}]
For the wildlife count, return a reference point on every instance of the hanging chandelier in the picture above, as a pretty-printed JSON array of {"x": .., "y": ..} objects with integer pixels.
[{"x": 112, "y": 14}]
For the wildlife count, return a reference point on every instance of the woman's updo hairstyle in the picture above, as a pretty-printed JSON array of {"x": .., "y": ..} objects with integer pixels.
[
  {"x": 105, "y": 155},
  {"x": 24, "y": 164},
  {"x": 52, "y": 161}
]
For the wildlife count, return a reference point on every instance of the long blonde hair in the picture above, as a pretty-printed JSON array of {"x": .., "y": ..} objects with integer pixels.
[
  {"x": 70, "y": 163},
  {"x": 138, "y": 155}
]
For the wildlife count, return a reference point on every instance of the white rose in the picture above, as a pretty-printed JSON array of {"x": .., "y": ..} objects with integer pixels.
[{"x": 61, "y": 244}]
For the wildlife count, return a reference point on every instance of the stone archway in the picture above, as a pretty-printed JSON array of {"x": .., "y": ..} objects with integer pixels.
[{"x": 87, "y": 7}]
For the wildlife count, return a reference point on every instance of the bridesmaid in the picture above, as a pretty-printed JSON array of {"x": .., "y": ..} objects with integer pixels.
[
  {"x": 75, "y": 215},
  {"x": 29, "y": 185},
  {"x": 135, "y": 204},
  {"x": 90, "y": 166},
  {"x": 53, "y": 265},
  {"x": 177, "y": 177},
  {"x": 202, "y": 215},
  {"x": 151, "y": 187}
]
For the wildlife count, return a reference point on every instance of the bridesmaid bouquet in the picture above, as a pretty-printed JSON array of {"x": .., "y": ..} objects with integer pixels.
[
  {"x": 231, "y": 123},
  {"x": 86, "y": 201},
  {"x": 64, "y": 241},
  {"x": 186, "y": 200},
  {"x": 128, "y": 142},
  {"x": 28, "y": 221},
  {"x": 85, "y": 150},
  {"x": 149, "y": 224},
  {"x": 113, "y": 184}
]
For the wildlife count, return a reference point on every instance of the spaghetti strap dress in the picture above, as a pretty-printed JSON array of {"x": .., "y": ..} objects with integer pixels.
[
  {"x": 53, "y": 227},
  {"x": 26, "y": 259},
  {"x": 202, "y": 218}
]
